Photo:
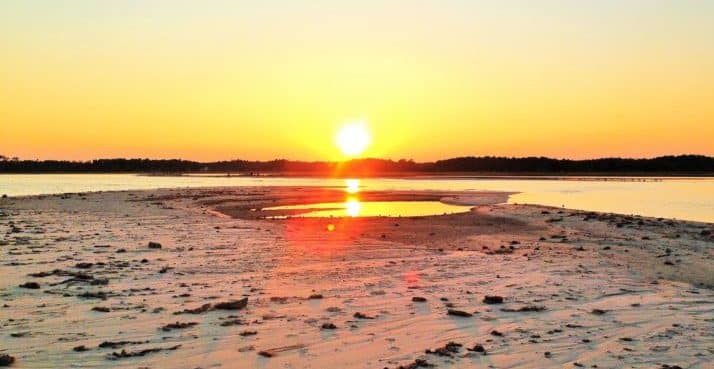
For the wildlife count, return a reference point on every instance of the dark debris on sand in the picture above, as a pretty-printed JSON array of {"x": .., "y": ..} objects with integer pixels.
[
  {"x": 418, "y": 363},
  {"x": 447, "y": 350},
  {"x": 459, "y": 313},
  {"x": 232, "y": 305},
  {"x": 123, "y": 354},
  {"x": 525, "y": 309},
  {"x": 177, "y": 325},
  {"x": 492, "y": 300},
  {"x": 30, "y": 285},
  {"x": 6, "y": 360},
  {"x": 117, "y": 344}
]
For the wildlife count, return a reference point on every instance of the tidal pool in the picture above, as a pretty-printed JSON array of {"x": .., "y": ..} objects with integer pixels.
[{"x": 356, "y": 208}]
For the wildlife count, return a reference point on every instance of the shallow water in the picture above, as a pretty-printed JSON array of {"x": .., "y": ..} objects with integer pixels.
[
  {"x": 681, "y": 198},
  {"x": 356, "y": 208}
]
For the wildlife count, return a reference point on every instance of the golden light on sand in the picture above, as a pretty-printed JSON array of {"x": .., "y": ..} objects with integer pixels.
[{"x": 353, "y": 138}]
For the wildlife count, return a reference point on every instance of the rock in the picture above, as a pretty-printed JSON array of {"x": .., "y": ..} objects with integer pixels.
[
  {"x": 524, "y": 309},
  {"x": 329, "y": 326},
  {"x": 598, "y": 311},
  {"x": 266, "y": 353},
  {"x": 448, "y": 349},
  {"x": 123, "y": 354},
  {"x": 496, "y": 333},
  {"x": 199, "y": 310},
  {"x": 117, "y": 344},
  {"x": 459, "y": 313},
  {"x": 229, "y": 323},
  {"x": 418, "y": 363},
  {"x": 93, "y": 295},
  {"x": 248, "y": 333},
  {"x": 359, "y": 315},
  {"x": 477, "y": 348},
  {"x": 30, "y": 285},
  {"x": 316, "y": 296},
  {"x": 178, "y": 325},
  {"x": 83, "y": 265},
  {"x": 81, "y": 348},
  {"x": 101, "y": 309},
  {"x": 493, "y": 300},
  {"x": 6, "y": 360},
  {"x": 418, "y": 299},
  {"x": 547, "y": 354},
  {"x": 232, "y": 305},
  {"x": 154, "y": 245}
]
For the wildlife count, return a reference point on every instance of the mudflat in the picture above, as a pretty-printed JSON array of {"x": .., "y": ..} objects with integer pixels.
[{"x": 199, "y": 278}]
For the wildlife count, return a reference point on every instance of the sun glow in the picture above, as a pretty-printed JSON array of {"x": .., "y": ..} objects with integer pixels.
[{"x": 353, "y": 138}]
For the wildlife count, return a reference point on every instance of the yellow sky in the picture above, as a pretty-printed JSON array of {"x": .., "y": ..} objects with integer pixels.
[{"x": 433, "y": 79}]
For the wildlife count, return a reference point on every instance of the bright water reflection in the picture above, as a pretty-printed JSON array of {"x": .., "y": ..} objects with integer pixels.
[
  {"x": 683, "y": 198},
  {"x": 355, "y": 208}
]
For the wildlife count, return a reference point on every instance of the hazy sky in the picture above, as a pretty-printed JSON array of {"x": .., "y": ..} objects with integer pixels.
[{"x": 264, "y": 79}]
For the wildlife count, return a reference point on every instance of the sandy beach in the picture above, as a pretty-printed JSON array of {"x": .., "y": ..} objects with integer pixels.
[{"x": 198, "y": 278}]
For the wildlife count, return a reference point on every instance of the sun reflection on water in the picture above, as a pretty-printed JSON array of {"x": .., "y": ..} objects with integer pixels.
[
  {"x": 352, "y": 185},
  {"x": 353, "y": 207}
]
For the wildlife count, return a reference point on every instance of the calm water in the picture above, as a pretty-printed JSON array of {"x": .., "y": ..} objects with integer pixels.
[
  {"x": 356, "y": 208},
  {"x": 682, "y": 198}
]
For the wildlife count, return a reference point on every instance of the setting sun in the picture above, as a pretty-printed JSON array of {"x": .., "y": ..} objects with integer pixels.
[{"x": 353, "y": 138}]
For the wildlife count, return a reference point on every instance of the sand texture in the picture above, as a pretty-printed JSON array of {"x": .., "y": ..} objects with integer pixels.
[{"x": 196, "y": 279}]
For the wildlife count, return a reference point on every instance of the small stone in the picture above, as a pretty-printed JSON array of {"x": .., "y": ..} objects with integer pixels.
[
  {"x": 232, "y": 305},
  {"x": 418, "y": 299},
  {"x": 493, "y": 300},
  {"x": 460, "y": 313},
  {"x": 329, "y": 326},
  {"x": 6, "y": 360},
  {"x": 30, "y": 285},
  {"x": 154, "y": 245}
]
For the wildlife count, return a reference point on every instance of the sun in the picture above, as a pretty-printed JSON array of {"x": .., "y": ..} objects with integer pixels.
[{"x": 353, "y": 138}]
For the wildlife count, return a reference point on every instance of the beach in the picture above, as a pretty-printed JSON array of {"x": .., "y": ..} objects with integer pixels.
[{"x": 199, "y": 278}]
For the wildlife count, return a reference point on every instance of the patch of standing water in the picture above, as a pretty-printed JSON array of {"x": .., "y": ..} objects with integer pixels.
[{"x": 356, "y": 208}]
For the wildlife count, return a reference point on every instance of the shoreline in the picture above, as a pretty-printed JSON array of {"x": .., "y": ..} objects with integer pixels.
[{"x": 588, "y": 288}]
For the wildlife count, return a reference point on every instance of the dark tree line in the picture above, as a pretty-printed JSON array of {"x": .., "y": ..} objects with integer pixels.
[{"x": 683, "y": 164}]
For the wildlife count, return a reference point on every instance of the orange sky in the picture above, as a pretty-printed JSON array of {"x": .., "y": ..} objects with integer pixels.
[{"x": 222, "y": 79}]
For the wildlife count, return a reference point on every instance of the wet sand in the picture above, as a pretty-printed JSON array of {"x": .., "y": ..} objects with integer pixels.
[{"x": 197, "y": 279}]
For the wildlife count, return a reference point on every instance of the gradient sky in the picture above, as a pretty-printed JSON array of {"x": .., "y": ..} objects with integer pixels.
[{"x": 211, "y": 80}]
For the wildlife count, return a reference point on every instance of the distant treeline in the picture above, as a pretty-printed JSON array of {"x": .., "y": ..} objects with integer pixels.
[{"x": 683, "y": 164}]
